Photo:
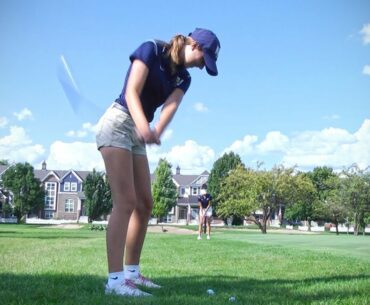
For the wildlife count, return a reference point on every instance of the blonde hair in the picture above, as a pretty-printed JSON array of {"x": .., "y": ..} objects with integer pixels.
[{"x": 174, "y": 48}]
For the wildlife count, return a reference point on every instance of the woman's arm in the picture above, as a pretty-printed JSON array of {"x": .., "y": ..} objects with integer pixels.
[
  {"x": 138, "y": 75},
  {"x": 168, "y": 110}
]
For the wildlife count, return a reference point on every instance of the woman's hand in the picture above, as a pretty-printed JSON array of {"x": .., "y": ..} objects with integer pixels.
[{"x": 149, "y": 136}]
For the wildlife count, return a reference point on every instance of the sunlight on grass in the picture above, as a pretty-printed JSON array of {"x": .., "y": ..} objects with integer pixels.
[{"x": 53, "y": 266}]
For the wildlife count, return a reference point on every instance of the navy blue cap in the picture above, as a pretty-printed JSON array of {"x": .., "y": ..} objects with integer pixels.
[{"x": 210, "y": 45}]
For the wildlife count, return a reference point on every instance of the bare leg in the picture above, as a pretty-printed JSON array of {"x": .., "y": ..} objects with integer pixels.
[
  {"x": 139, "y": 219},
  {"x": 201, "y": 220},
  {"x": 119, "y": 168},
  {"x": 209, "y": 225}
]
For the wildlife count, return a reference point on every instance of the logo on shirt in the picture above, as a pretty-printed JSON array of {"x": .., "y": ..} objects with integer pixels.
[{"x": 179, "y": 81}]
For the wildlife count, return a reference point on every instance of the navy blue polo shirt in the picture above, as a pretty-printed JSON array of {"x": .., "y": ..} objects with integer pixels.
[
  {"x": 204, "y": 200},
  {"x": 159, "y": 83}
]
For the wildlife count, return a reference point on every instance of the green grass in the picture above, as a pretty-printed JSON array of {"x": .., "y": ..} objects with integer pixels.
[{"x": 54, "y": 266}]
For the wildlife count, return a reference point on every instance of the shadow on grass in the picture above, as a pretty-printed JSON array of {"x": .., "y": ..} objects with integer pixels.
[
  {"x": 47, "y": 235},
  {"x": 89, "y": 289}
]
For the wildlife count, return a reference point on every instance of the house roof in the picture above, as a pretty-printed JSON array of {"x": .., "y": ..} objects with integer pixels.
[
  {"x": 181, "y": 180},
  {"x": 184, "y": 179},
  {"x": 3, "y": 168},
  {"x": 43, "y": 173},
  {"x": 192, "y": 200}
]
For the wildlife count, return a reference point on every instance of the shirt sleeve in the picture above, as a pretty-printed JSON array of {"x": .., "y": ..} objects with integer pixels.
[
  {"x": 146, "y": 52},
  {"x": 183, "y": 81}
]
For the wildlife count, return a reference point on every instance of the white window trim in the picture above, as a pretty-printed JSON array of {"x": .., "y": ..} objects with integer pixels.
[
  {"x": 73, "y": 186},
  {"x": 49, "y": 213},
  {"x": 65, "y": 188},
  {"x": 54, "y": 197},
  {"x": 69, "y": 201}
]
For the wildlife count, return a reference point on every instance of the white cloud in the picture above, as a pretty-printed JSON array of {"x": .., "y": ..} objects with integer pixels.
[
  {"x": 365, "y": 31},
  {"x": 191, "y": 157},
  {"x": 332, "y": 117},
  {"x": 87, "y": 129},
  {"x": 366, "y": 70},
  {"x": 25, "y": 113},
  {"x": 275, "y": 141},
  {"x": 243, "y": 147},
  {"x": 75, "y": 155},
  {"x": 200, "y": 107},
  {"x": 18, "y": 147},
  {"x": 167, "y": 135},
  {"x": 3, "y": 122},
  {"x": 333, "y": 147}
]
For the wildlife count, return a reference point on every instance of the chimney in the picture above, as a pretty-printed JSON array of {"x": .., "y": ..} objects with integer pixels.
[
  {"x": 178, "y": 170},
  {"x": 44, "y": 165}
]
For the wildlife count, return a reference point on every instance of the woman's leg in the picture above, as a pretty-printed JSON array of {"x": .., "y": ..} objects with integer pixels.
[
  {"x": 140, "y": 216},
  {"x": 201, "y": 219},
  {"x": 209, "y": 225},
  {"x": 119, "y": 169}
]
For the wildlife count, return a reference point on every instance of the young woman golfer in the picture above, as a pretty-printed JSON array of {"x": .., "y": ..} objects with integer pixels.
[{"x": 157, "y": 77}]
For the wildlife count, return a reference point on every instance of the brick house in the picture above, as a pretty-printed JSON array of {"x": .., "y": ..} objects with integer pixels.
[
  {"x": 65, "y": 198},
  {"x": 188, "y": 186}
]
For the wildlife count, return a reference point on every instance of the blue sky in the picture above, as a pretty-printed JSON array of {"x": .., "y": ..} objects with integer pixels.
[{"x": 293, "y": 85}]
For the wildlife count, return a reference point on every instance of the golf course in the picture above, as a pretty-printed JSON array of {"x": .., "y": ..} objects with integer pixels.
[{"x": 51, "y": 265}]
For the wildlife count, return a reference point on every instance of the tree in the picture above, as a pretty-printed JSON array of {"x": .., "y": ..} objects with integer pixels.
[
  {"x": 4, "y": 162},
  {"x": 275, "y": 189},
  {"x": 320, "y": 177},
  {"x": 164, "y": 190},
  {"x": 98, "y": 195},
  {"x": 27, "y": 190},
  {"x": 221, "y": 168},
  {"x": 250, "y": 193},
  {"x": 356, "y": 193},
  {"x": 236, "y": 195},
  {"x": 307, "y": 205},
  {"x": 335, "y": 208}
]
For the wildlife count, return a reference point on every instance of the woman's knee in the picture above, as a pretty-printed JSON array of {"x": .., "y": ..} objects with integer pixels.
[
  {"x": 124, "y": 204},
  {"x": 145, "y": 205}
]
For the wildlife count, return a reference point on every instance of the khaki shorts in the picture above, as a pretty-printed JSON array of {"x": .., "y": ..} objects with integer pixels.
[
  {"x": 208, "y": 214},
  {"x": 117, "y": 129}
]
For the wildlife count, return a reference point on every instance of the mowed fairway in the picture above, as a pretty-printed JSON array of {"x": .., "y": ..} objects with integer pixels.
[{"x": 59, "y": 266}]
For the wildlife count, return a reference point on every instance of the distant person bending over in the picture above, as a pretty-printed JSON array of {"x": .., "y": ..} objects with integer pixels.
[
  {"x": 205, "y": 211},
  {"x": 158, "y": 76}
]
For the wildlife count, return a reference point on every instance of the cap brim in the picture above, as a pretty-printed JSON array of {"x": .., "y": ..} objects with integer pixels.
[{"x": 210, "y": 64}]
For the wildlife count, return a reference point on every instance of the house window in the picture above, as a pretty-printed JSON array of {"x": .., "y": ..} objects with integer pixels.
[
  {"x": 50, "y": 196},
  {"x": 67, "y": 186},
  {"x": 195, "y": 191},
  {"x": 49, "y": 214},
  {"x": 69, "y": 205},
  {"x": 73, "y": 186},
  {"x": 182, "y": 191}
]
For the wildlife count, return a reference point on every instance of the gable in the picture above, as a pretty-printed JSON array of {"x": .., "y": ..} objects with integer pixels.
[
  {"x": 49, "y": 177},
  {"x": 71, "y": 176},
  {"x": 200, "y": 180}
]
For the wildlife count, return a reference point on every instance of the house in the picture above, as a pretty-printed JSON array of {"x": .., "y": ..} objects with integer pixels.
[
  {"x": 188, "y": 187},
  {"x": 65, "y": 197},
  {"x": 5, "y": 196}
]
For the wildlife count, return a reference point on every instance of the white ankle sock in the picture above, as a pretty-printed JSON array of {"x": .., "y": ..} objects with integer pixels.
[
  {"x": 115, "y": 277},
  {"x": 131, "y": 271}
]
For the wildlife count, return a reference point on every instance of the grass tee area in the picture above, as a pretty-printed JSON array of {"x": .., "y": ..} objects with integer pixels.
[{"x": 41, "y": 265}]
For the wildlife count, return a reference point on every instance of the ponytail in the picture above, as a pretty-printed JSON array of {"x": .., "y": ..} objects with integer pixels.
[{"x": 174, "y": 51}]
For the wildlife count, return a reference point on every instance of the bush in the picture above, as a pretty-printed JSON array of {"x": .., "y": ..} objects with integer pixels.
[{"x": 98, "y": 227}]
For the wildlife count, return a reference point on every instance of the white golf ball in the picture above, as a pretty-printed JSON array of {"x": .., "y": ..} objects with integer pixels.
[
  {"x": 232, "y": 299},
  {"x": 210, "y": 292}
]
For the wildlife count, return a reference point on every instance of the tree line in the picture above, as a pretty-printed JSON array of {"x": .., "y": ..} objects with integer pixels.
[
  {"x": 238, "y": 191},
  {"x": 319, "y": 195}
]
